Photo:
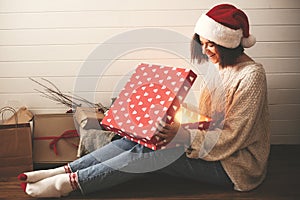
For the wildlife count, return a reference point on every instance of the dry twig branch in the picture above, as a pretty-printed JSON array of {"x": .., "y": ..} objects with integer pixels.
[{"x": 70, "y": 100}]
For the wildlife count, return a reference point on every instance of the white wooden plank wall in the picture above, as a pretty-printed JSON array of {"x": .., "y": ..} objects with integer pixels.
[{"x": 53, "y": 38}]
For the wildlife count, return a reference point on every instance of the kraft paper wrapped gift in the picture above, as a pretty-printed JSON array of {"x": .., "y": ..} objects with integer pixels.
[
  {"x": 153, "y": 93},
  {"x": 55, "y": 138},
  {"x": 88, "y": 118},
  {"x": 15, "y": 144},
  {"x": 15, "y": 149}
]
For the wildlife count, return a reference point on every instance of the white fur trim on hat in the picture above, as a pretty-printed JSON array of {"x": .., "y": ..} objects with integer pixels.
[
  {"x": 249, "y": 41},
  {"x": 218, "y": 33}
]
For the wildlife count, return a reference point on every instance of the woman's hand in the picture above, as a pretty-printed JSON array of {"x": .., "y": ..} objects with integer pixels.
[{"x": 166, "y": 132}]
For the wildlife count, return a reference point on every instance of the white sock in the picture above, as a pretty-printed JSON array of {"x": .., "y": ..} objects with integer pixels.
[
  {"x": 55, "y": 186},
  {"x": 38, "y": 175}
]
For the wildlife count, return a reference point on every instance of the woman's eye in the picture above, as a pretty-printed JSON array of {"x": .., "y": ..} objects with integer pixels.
[{"x": 211, "y": 44}]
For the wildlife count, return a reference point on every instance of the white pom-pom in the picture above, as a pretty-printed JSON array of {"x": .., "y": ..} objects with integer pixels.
[{"x": 249, "y": 41}]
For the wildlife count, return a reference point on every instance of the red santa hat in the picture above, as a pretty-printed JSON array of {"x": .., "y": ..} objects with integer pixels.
[{"x": 226, "y": 26}]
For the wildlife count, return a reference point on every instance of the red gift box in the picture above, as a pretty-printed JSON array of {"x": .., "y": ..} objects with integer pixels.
[{"x": 153, "y": 93}]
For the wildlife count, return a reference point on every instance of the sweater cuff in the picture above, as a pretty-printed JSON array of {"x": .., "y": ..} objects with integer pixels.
[
  {"x": 196, "y": 149},
  {"x": 193, "y": 134}
]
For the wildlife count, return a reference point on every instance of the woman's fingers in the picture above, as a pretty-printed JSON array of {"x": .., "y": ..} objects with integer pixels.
[
  {"x": 161, "y": 125},
  {"x": 166, "y": 132},
  {"x": 163, "y": 139},
  {"x": 164, "y": 127},
  {"x": 161, "y": 135},
  {"x": 161, "y": 143}
]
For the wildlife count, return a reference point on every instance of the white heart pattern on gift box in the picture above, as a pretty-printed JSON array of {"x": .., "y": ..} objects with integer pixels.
[{"x": 142, "y": 103}]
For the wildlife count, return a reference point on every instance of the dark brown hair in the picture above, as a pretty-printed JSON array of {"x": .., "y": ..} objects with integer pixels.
[{"x": 227, "y": 56}]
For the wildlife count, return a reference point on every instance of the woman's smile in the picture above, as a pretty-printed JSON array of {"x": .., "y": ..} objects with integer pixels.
[{"x": 210, "y": 50}]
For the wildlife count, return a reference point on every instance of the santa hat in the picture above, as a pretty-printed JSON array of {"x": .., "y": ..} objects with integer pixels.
[{"x": 226, "y": 26}]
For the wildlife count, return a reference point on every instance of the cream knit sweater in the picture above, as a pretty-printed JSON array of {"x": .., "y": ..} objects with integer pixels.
[{"x": 236, "y": 99}]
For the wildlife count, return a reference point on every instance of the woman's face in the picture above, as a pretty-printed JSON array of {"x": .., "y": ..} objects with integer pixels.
[{"x": 209, "y": 48}]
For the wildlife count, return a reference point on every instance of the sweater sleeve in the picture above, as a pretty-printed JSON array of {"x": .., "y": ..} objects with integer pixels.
[{"x": 241, "y": 114}]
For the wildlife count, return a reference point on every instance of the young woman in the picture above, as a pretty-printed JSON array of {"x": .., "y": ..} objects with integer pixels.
[{"x": 233, "y": 152}]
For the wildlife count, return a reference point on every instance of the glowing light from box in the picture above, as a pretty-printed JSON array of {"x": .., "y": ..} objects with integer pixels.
[{"x": 185, "y": 116}]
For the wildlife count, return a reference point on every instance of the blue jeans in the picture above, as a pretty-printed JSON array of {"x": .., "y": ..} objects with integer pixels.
[{"x": 123, "y": 160}]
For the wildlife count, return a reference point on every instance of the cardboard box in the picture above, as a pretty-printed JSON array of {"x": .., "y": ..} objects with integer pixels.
[
  {"x": 153, "y": 93},
  {"x": 15, "y": 149},
  {"x": 55, "y": 138}
]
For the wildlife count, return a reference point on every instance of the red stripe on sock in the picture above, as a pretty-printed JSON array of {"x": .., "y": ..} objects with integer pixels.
[
  {"x": 73, "y": 182},
  {"x": 67, "y": 168}
]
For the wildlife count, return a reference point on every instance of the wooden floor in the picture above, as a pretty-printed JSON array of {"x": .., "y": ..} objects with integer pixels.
[{"x": 283, "y": 182}]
